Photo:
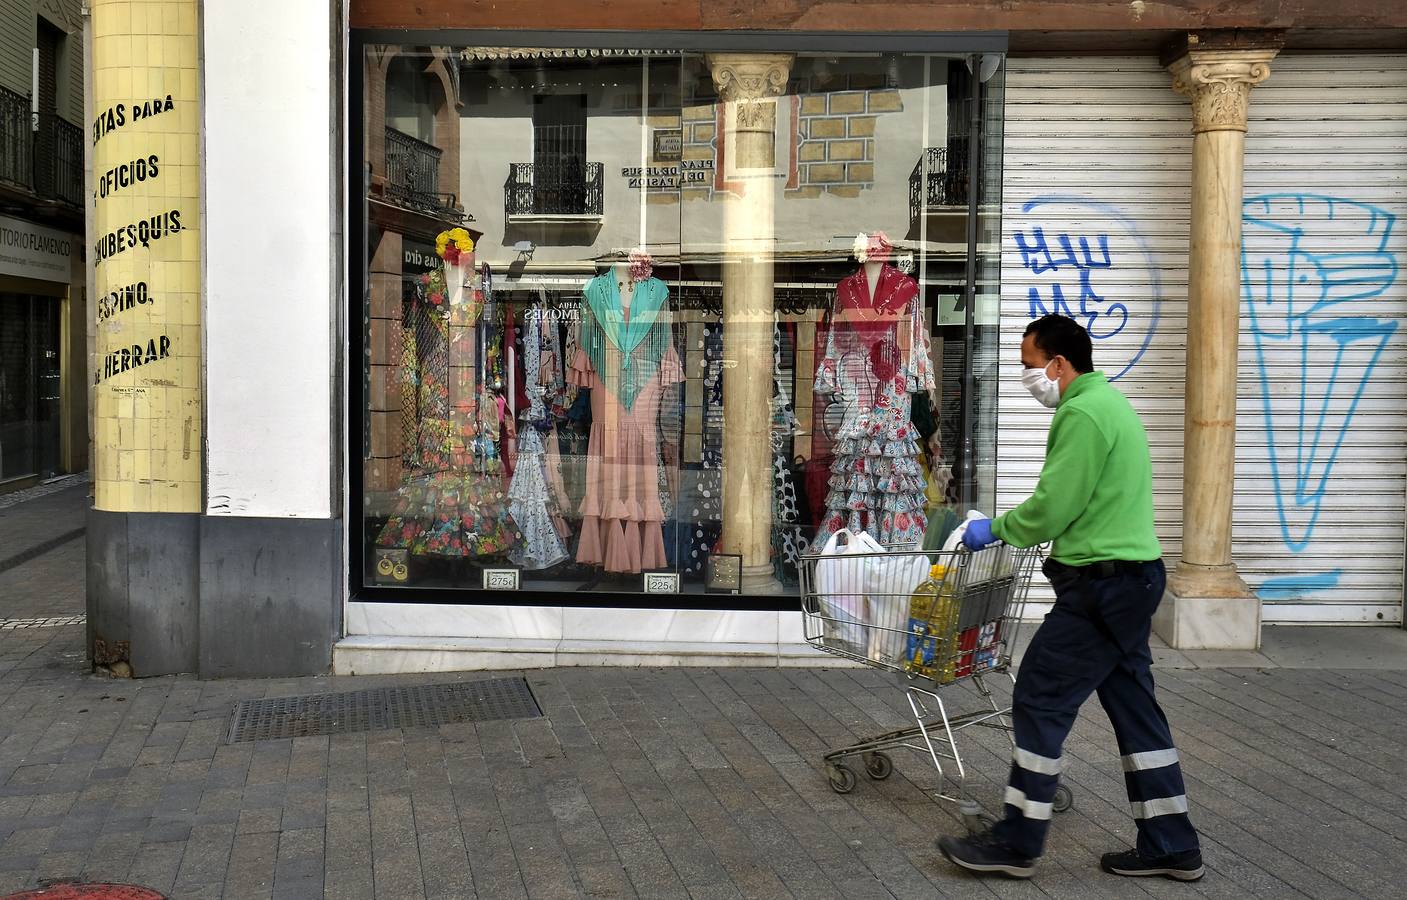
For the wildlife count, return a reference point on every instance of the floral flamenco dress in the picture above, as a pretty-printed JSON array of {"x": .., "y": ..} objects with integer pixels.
[
  {"x": 876, "y": 356},
  {"x": 451, "y": 502},
  {"x": 628, "y": 361},
  {"x": 531, "y": 498}
]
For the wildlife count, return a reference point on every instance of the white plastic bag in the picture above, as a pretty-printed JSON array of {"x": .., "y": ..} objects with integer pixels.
[
  {"x": 841, "y": 582},
  {"x": 955, "y": 539},
  {"x": 996, "y": 561},
  {"x": 889, "y": 585}
]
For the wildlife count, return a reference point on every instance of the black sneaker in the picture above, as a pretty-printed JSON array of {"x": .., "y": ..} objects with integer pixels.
[
  {"x": 1185, "y": 866},
  {"x": 984, "y": 853}
]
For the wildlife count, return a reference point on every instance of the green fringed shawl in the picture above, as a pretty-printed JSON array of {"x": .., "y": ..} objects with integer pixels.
[{"x": 641, "y": 342}]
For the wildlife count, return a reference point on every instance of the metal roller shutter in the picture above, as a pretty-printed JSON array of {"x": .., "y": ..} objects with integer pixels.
[
  {"x": 1321, "y": 444},
  {"x": 1096, "y": 171}
]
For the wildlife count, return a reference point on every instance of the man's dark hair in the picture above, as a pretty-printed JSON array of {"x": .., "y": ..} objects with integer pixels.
[{"x": 1062, "y": 336}]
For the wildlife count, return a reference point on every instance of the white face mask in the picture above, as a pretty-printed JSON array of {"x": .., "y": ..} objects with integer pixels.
[{"x": 1046, "y": 391}]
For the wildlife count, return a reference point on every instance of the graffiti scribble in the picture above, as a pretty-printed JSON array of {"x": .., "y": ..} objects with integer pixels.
[{"x": 1069, "y": 262}]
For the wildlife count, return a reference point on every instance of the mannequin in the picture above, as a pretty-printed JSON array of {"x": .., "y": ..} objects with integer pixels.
[
  {"x": 876, "y": 357},
  {"x": 626, "y": 357},
  {"x": 873, "y": 269}
]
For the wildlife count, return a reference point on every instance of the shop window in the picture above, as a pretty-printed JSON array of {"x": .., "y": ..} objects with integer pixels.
[{"x": 729, "y": 305}]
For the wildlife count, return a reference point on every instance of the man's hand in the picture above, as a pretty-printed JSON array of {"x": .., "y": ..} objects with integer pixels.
[{"x": 978, "y": 535}]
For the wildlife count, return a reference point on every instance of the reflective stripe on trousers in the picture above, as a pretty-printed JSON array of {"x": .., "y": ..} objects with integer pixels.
[{"x": 1095, "y": 639}]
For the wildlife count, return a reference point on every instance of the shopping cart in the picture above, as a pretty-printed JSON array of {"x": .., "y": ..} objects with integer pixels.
[{"x": 863, "y": 606}]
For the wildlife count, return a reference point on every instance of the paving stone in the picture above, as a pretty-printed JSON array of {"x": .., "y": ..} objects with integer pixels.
[
  {"x": 253, "y": 860},
  {"x": 659, "y": 783}
]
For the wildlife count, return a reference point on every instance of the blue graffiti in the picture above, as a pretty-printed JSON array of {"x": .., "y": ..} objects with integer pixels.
[
  {"x": 1037, "y": 257},
  {"x": 1069, "y": 263},
  {"x": 1305, "y": 257}
]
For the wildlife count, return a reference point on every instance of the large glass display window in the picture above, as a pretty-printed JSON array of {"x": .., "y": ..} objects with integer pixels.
[{"x": 643, "y": 322}]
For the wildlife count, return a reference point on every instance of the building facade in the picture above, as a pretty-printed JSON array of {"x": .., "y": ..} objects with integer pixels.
[
  {"x": 43, "y": 314},
  {"x": 561, "y": 347}
]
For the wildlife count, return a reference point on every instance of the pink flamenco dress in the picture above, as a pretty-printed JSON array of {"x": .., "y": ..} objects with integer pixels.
[
  {"x": 876, "y": 356},
  {"x": 627, "y": 359}
]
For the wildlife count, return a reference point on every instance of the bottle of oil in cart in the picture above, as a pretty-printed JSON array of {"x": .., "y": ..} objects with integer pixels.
[
  {"x": 922, "y": 648},
  {"x": 944, "y": 623}
]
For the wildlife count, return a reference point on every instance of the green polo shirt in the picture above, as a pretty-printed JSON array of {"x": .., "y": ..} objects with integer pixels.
[{"x": 1095, "y": 495}]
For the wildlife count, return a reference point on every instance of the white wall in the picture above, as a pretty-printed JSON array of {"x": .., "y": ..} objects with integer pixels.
[{"x": 270, "y": 238}]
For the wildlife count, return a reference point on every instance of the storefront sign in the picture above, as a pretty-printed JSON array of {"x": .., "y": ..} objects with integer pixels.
[
  {"x": 33, "y": 251},
  {"x": 146, "y": 255},
  {"x": 417, "y": 257}
]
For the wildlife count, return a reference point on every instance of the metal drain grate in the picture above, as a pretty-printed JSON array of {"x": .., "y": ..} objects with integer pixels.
[{"x": 414, "y": 706}]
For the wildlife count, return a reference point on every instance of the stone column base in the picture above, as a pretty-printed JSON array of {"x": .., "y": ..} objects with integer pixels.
[
  {"x": 760, "y": 580},
  {"x": 1208, "y": 623}
]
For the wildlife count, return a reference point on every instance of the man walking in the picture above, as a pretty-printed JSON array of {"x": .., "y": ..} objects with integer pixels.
[{"x": 1094, "y": 500}]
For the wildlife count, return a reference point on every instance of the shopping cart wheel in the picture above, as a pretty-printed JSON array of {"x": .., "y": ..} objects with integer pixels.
[
  {"x": 842, "y": 779},
  {"x": 1063, "y": 799},
  {"x": 879, "y": 765}
]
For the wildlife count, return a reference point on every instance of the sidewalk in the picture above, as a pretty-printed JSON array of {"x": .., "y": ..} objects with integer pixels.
[
  {"x": 656, "y": 784},
  {"x": 42, "y": 556}
]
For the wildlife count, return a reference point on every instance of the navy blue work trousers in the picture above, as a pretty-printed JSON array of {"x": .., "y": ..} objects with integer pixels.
[{"x": 1095, "y": 639}]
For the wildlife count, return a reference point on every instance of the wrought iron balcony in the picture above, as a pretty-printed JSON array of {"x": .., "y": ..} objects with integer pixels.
[
  {"x": 945, "y": 169},
  {"x": 413, "y": 173},
  {"x": 58, "y": 164},
  {"x": 16, "y": 140},
  {"x": 47, "y": 162},
  {"x": 567, "y": 188}
]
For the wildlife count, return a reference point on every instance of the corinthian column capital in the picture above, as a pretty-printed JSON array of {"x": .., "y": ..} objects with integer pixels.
[
  {"x": 1219, "y": 83},
  {"x": 750, "y": 76},
  {"x": 751, "y": 80}
]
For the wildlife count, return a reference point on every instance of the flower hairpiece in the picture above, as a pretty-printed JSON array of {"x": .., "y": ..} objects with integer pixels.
[
  {"x": 861, "y": 247},
  {"x": 450, "y": 245},
  {"x": 641, "y": 265},
  {"x": 872, "y": 247}
]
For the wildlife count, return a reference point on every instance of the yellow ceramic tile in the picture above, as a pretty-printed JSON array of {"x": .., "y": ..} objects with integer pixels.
[{"x": 146, "y": 419}]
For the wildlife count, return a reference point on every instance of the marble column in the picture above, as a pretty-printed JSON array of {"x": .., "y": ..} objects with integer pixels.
[
  {"x": 1208, "y": 606},
  {"x": 748, "y": 84}
]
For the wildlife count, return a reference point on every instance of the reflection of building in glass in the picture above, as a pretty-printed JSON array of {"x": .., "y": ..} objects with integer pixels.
[
  {"x": 746, "y": 178},
  {"x": 43, "y": 396}
]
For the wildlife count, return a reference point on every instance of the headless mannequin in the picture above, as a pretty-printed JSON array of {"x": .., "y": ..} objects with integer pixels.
[
  {"x": 872, "y": 270},
  {"x": 625, "y": 286}
]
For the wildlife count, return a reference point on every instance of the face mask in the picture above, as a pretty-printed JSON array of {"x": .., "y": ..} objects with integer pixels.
[{"x": 1046, "y": 391}]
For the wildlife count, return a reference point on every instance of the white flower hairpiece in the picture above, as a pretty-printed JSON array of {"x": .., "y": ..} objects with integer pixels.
[{"x": 861, "y": 247}]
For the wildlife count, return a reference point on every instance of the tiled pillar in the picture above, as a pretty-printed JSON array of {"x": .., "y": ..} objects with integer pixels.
[{"x": 1208, "y": 605}]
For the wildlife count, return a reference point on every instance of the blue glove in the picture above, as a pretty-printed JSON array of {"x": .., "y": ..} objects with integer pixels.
[{"x": 978, "y": 535}]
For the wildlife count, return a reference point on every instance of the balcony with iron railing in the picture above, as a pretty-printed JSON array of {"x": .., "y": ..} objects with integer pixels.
[
  {"x": 944, "y": 169},
  {"x": 47, "y": 162},
  {"x": 413, "y": 175},
  {"x": 567, "y": 190}
]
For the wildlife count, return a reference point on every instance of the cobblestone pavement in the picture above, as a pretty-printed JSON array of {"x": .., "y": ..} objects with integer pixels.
[
  {"x": 701, "y": 783},
  {"x": 42, "y": 550}
]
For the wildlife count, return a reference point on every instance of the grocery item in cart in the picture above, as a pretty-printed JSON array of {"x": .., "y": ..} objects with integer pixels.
[
  {"x": 976, "y": 660},
  {"x": 933, "y": 620},
  {"x": 891, "y": 579},
  {"x": 922, "y": 646},
  {"x": 841, "y": 580}
]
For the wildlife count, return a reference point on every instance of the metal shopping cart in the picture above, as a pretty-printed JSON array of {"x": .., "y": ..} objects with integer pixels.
[{"x": 887, "y": 610}]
